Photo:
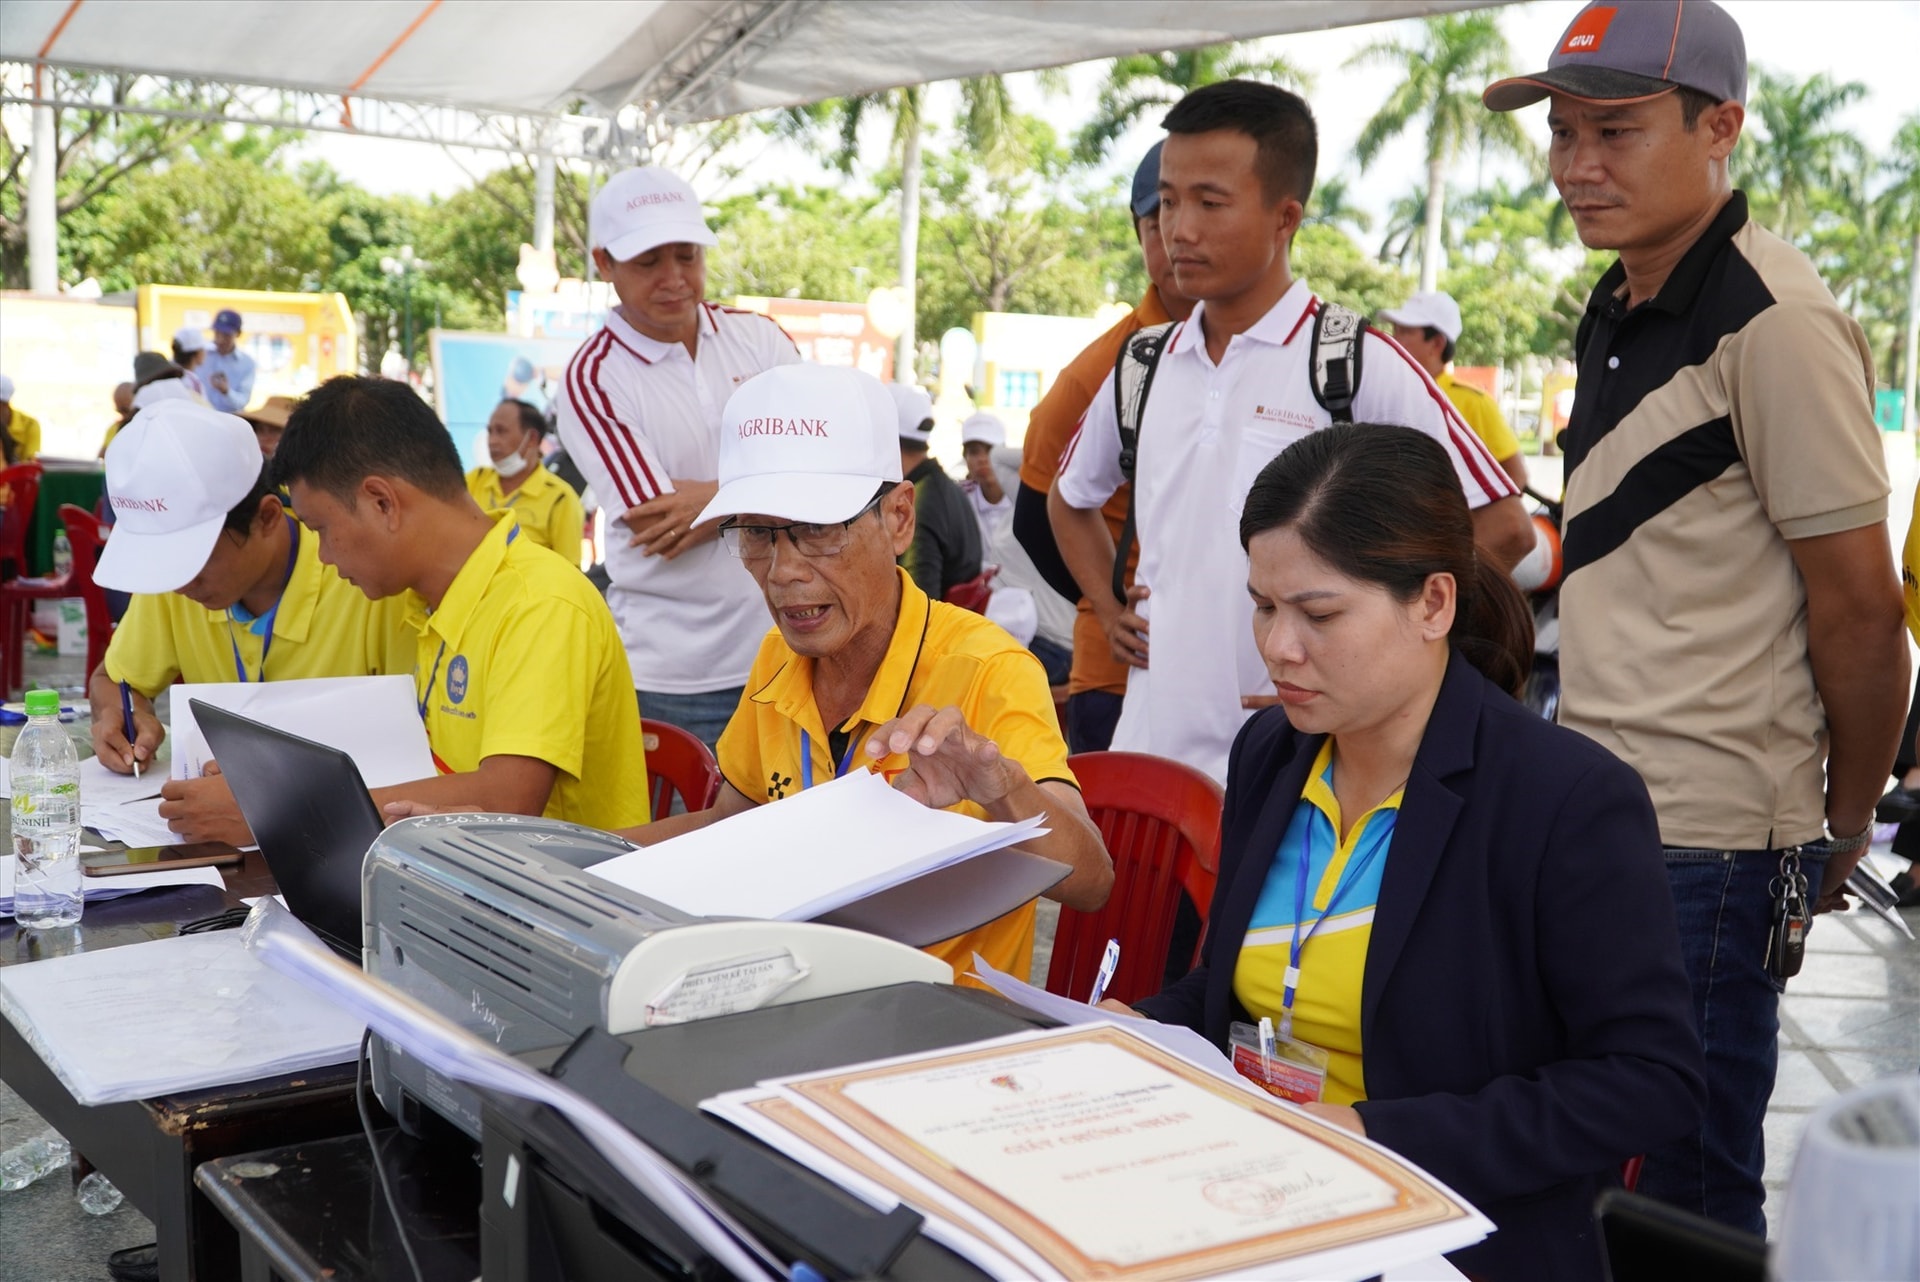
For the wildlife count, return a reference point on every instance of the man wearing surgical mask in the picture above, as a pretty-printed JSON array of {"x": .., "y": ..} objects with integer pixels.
[{"x": 548, "y": 510}]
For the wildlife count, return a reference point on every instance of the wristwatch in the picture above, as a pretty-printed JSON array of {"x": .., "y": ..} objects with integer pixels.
[{"x": 1847, "y": 845}]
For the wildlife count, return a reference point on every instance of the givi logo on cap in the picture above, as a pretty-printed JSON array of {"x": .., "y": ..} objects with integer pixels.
[{"x": 1585, "y": 35}]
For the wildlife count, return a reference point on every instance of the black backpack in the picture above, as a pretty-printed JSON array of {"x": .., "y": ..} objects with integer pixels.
[{"x": 1333, "y": 374}]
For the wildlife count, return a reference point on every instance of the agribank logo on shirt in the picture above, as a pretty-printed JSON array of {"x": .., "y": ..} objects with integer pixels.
[{"x": 1282, "y": 416}]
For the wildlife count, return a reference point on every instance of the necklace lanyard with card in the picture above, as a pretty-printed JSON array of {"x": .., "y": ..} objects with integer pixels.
[
  {"x": 266, "y": 621},
  {"x": 1277, "y": 1062}
]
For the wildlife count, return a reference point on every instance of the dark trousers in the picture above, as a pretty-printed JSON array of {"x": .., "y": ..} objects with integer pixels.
[
  {"x": 1906, "y": 838},
  {"x": 1724, "y": 909},
  {"x": 1091, "y": 717}
]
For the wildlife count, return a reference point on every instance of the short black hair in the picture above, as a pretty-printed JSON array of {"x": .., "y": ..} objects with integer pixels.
[
  {"x": 352, "y": 427},
  {"x": 241, "y": 515},
  {"x": 912, "y": 446},
  {"x": 531, "y": 419},
  {"x": 1280, "y": 124},
  {"x": 1693, "y": 104},
  {"x": 1430, "y": 333}
]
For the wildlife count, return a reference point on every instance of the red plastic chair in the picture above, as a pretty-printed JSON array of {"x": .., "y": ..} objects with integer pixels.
[
  {"x": 19, "y": 493},
  {"x": 678, "y": 764},
  {"x": 87, "y": 537},
  {"x": 1160, "y": 821}
]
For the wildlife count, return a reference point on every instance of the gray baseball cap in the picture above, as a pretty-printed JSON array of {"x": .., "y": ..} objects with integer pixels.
[
  {"x": 1633, "y": 50},
  {"x": 1146, "y": 184}
]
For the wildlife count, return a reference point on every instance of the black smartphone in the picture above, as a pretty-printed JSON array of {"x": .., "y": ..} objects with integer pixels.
[{"x": 194, "y": 854}]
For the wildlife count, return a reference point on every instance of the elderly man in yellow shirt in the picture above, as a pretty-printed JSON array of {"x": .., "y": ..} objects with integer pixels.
[
  {"x": 520, "y": 674},
  {"x": 1428, "y": 326},
  {"x": 226, "y": 584},
  {"x": 548, "y": 510},
  {"x": 862, "y": 670}
]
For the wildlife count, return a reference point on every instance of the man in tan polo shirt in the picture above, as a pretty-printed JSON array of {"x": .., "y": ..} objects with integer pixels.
[{"x": 1730, "y": 622}]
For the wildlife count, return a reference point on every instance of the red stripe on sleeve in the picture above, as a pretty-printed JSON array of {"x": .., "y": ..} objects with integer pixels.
[
  {"x": 1481, "y": 465},
  {"x": 605, "y": 439},
  {"x": 650, "y": 485}
]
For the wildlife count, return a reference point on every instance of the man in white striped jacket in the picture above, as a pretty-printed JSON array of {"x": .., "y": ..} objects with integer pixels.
[{"x": 640, "y": 414}]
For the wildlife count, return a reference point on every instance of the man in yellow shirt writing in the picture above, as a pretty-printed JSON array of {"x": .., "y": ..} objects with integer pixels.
[
  {"x": 227, "y": 585},
  {"x": 520, "y": 675},
  {"x": 1428, "y": 326},
  {"x": 548, "y": 510},
  {"x": 862, "y": 669}
]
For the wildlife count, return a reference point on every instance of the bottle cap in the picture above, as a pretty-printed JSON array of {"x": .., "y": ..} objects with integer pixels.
[{"x": 43, "y": 703}]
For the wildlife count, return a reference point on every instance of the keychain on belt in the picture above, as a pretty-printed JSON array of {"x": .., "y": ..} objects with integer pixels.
[{"x": 1787, "y": 939}]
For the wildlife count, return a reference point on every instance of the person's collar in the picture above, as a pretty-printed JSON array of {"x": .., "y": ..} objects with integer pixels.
[
  {"x": 470, "y": 585},
  {"x": 1684, "y": 282},
  {"x": 925, "y": 467},
  {"x": 1276, "y": 328},
  {"x": 790, "y": 691},
  {"x": 652, "y": 350}
]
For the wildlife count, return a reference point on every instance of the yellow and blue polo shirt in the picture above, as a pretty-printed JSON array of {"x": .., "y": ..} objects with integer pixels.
[
  {"x": 323, "y": 627},
  {"x": 1326, "y": 1002},
  {"x": 942, "y": 656},
  {"x": 1482, "y": 414},
  {"x": 547, "y": 508},
  {"x": 522, "y": 659}
]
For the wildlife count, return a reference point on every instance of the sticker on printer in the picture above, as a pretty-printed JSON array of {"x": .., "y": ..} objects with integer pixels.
[{"x": 727, "y": 987}]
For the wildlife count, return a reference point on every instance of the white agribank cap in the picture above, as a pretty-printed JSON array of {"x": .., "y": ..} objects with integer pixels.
[
  {"x": 805, "y": 443},
  {"x": 173, "y": 474},
  {"x": 642, "y": 209}
]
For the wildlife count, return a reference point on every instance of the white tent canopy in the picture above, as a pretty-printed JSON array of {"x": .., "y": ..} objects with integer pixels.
[{"x": 679, "y": 60}]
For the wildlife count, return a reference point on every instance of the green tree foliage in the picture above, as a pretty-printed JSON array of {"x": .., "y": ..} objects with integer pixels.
[
  {"x": 1443, "y": 72},
  {"x": 1143, "y": 85},
  {"x": 1798, "y": 153},
  {"x": 813, "y": 242},
  {"x": 1339, "y": 270}
]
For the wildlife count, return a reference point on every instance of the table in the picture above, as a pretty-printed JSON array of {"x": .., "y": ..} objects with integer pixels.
[
  {"x": 80, "y": 486},
  {"x": 149, "y": 1148},
  {"x": 315, "y": 1213}
]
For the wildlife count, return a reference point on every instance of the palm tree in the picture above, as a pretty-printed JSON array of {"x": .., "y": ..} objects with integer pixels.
[
  {"x": 1799, "y": 151},
  {"x": 1140, "y": 82},
  {"x": 1332, "y": 204},
  {"x": 1900, "y": 208},
  {"x": 986, "y": 109},
  {"x": 1443, "y": 73}
]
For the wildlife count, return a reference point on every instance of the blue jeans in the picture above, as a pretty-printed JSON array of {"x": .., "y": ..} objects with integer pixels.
[
  {"x": 705, "y": 714},
  {"x": 1056, "y": 659},
  {"x": 1091, "y": 717},
  {"x": 1724, "y": 905}
]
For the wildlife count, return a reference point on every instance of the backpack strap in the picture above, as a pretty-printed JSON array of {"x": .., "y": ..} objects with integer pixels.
[
  {"x": 1334, "y": 372},
  {"x": 1133, "y": 373}
]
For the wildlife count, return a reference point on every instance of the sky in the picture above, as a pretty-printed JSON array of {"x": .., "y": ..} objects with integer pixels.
[{"x": 1866, "y": 40}]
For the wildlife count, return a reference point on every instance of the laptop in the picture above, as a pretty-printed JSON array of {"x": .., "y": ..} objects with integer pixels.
[{"x": 310, "y": 812}]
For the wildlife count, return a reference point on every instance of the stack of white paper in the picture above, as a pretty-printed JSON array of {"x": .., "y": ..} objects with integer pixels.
[
  {"x": 807, "y": 855},
  {"x": 176, "y": 1014},
  {"x": 95, "y": 889},
  {"x": 374, "y": 720}
]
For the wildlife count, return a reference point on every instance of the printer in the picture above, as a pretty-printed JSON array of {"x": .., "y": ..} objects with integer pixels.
[{"x": 492, "y": 921}]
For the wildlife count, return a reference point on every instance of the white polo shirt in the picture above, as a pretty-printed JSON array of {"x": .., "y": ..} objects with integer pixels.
[
  {"x": 1207, "y": 432},
  {"x": 634, "y": 413}
]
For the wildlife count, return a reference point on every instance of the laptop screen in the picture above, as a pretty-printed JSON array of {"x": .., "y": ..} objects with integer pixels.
[{"x": 311, "y": 815}]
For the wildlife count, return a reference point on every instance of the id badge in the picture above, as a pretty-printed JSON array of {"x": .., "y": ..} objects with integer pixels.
[{"x": 1295, "y": 1071}]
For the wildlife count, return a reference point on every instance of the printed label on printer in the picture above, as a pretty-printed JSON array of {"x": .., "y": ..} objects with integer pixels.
[{"x": 726, "y": 987}]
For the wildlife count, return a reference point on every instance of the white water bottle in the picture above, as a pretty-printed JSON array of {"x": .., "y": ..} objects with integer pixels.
[{"x": 46, "y": 818}]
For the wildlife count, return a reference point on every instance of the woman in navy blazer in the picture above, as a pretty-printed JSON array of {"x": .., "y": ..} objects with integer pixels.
[{"x": 1525, "y": 1021}]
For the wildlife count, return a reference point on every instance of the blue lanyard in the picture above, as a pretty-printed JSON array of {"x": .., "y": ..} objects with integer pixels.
[
  {"x": 426, "y": 696},
  {"x": 1348, "y": 879},
  {"x": 806, "y": 761},
  {"x": 273, "y": 611}
]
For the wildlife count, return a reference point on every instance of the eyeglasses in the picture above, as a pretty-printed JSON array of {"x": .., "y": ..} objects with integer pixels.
[{"x": 755, "y": 542}]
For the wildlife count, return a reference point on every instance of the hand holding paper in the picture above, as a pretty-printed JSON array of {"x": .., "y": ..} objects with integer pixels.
[{"x": 948, "y": 762}]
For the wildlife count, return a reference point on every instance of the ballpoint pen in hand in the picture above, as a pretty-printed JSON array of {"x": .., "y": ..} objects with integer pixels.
[
  {"x": 126, "y": 724},
  {"x": 1109, "y": 962}
]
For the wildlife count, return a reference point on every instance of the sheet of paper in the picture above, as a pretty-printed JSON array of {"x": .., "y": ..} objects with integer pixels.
[
  {"x": 137, "y": 823},
  {"x": 176, "y": 1014},
  {"x": 100, "y": 786},
  {"x": 373, "y": 719},
  {"x": 1107, "y": 1156},
  {"x": 808, "y": 854},
  {"x": 279, "y": 940},
  {"x": 1184, "y": 1042}
]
